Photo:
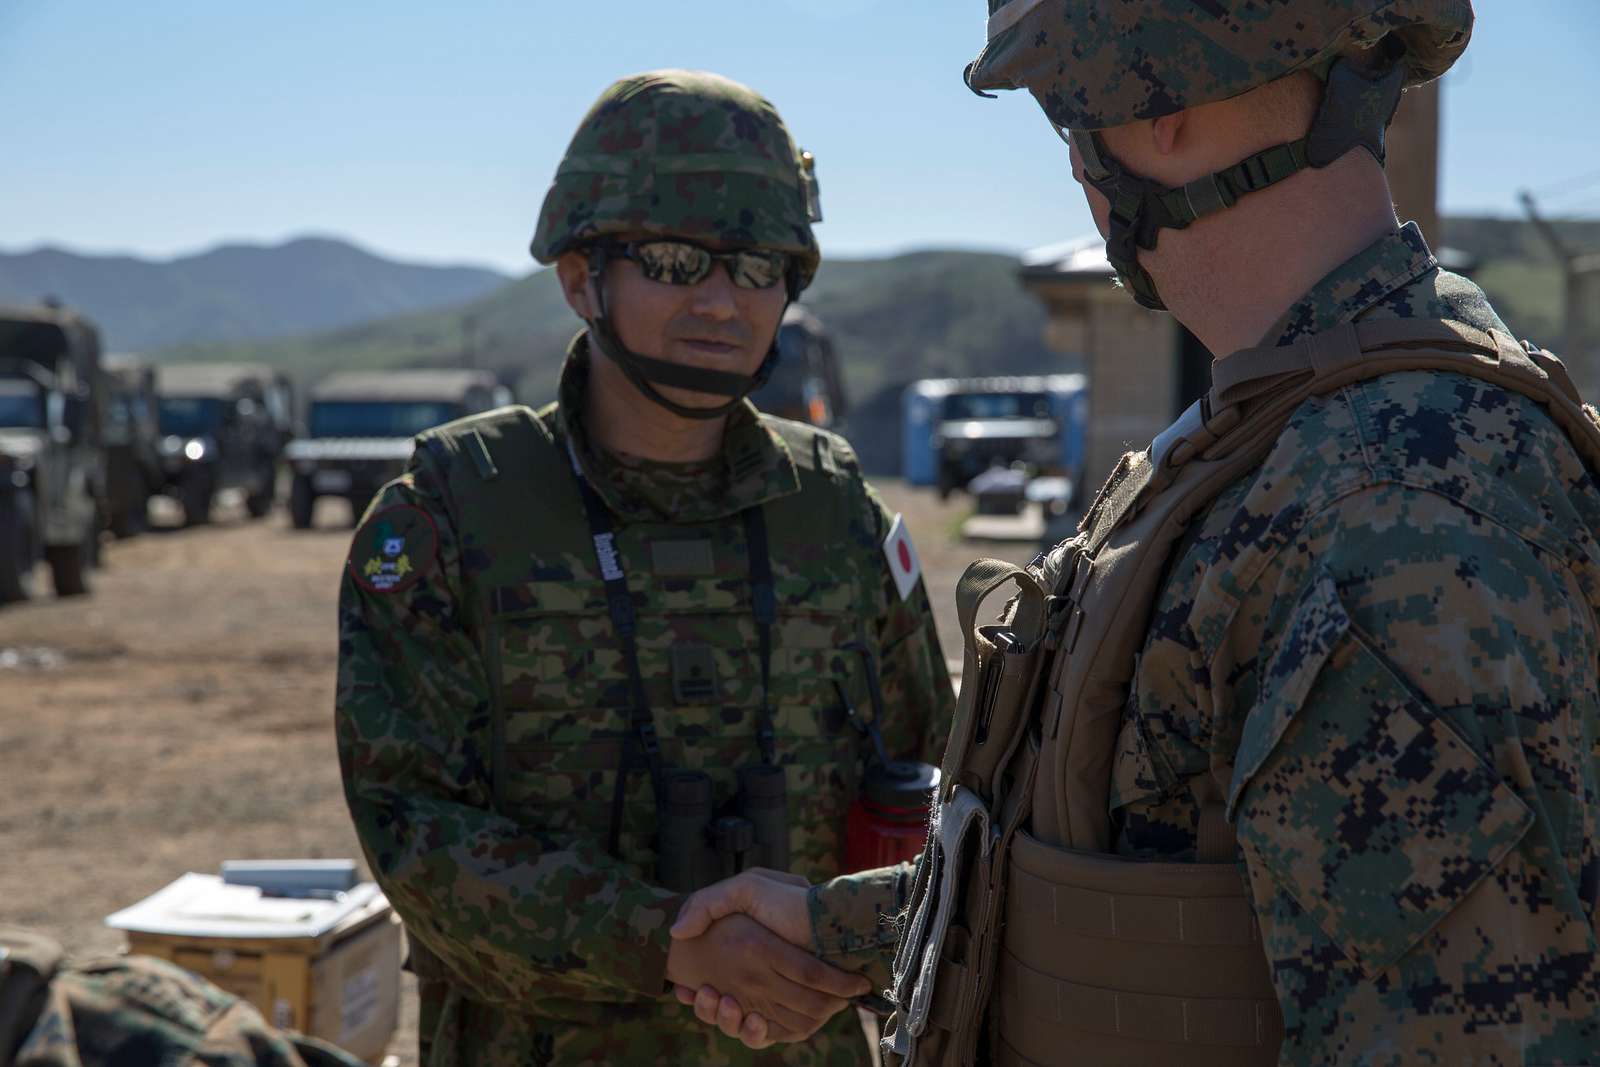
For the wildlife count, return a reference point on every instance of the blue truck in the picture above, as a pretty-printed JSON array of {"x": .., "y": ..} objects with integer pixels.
[{"x": 955, "y": 429}]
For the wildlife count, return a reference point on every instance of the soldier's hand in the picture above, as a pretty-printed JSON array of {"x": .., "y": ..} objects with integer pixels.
[
  {"x": 791, "y": 991},
  {"x": 774, "y": 899}
]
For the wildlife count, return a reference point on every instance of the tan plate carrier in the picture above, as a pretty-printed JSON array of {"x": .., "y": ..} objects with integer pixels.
[{"x": 1027, "y": 941}]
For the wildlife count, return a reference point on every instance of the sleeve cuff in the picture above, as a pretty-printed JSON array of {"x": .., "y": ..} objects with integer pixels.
[
  {"x": 649, "y": 941},
  {"x": 855, "y": 920}
]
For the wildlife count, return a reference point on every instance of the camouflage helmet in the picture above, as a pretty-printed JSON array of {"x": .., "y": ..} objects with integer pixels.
[
  {"x": 681, "y": 153},
  {"x": 1094, "y": 64}
]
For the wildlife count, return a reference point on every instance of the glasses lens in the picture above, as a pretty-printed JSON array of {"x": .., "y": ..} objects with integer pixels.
[
  {"x": 673, "y": 262},
  {"x": 757, "y": 270}
]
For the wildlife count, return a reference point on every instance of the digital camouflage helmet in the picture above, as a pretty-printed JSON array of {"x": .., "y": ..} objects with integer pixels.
[
  {"x": 1093, "y": 64},
  {"x": 687, "y": 155}
]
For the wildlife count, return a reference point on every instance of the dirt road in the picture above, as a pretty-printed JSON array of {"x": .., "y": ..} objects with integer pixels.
[{"x": 181, "y": 715}]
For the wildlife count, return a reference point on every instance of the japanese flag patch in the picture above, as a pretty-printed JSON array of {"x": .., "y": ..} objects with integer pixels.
[{"x": 902, "y": 557}]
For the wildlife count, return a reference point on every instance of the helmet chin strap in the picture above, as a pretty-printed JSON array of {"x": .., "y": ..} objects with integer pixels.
[
  {"x": 1357, "y": 106},
  {"x": 646, "y": 372}
]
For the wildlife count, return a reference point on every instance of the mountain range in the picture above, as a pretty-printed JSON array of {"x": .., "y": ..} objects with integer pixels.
[
  {"x": 315, "y": 305},
  {"x": 235, "y": 292}
]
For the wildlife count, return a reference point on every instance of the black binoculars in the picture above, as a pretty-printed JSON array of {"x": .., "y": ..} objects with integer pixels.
[{"x": 699, "y": 845}]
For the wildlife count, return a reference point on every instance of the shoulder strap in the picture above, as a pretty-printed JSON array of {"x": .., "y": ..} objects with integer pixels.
[{"x": 1130, "y": 532}]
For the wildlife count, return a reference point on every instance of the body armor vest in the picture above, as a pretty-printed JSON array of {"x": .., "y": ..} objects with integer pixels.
[
  {"x": 560, "y": 727},
  {"x": 1028, "y": 941}
]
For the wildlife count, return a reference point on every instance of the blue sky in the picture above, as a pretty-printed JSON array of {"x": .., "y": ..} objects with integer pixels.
[{"x": 430, "y": 130}]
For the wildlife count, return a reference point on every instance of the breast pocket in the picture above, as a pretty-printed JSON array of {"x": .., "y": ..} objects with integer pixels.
[{"x": 562, "y": 719}]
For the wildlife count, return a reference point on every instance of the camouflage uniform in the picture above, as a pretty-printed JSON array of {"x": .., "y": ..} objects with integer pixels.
[
  {"x": 1382, "y": 641},
  {"x": 132, "y": 1011},
  {"x": 1385, "y": 640},
  {"x": 537, "y": 946}
]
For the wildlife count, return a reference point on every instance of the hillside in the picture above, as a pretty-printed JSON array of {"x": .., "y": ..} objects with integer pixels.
[
  {"x": 893, "y": 320},
  {"x": 235, "y": 292},
  {"x": 1518, "y": 271}
]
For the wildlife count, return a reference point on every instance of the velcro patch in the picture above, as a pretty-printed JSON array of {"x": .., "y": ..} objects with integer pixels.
[
  {"x": 902, "y": 557},
  {"x": 393, "y": 549}
]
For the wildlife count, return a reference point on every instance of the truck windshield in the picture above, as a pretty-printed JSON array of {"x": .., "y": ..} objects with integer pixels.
[
  {"x": 188, "y": 416},
  {"x": 356, "y": 418},
  {"x": 21, "y": 408},
  {"x": 997, "y": 406}
]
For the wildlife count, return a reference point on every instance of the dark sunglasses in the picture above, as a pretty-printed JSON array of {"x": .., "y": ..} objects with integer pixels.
[{"x": 685, "y": 263}]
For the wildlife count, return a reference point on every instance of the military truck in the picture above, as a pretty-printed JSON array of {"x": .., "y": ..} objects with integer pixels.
[
  {"x": 223, "y": 426},
  {"x": 132, "y": 437},
  {"x": 955, "y": 429},
  {"x": 52, "y": 472},
  {"x": 360, "y": 424},
  {"x": 806, "y": 384}
]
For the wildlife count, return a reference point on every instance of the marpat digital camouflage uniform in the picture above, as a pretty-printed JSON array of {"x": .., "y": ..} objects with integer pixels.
[
  {"x": 1382, "y": 641},
  {"x": 537, "y": 945},
  {"x": 1388, "y": 633},
  {"x": 132, "y": 1011}
]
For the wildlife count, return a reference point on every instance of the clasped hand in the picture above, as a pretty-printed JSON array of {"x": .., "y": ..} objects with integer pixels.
[{"x": 740, "y": 957}]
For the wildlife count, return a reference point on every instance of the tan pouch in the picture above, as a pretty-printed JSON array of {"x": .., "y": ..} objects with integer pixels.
[
  {"x": 942, "y": 967},
  {"x": 1103, "y": 957}
]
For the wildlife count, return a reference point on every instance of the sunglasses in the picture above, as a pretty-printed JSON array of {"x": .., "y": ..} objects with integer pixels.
[{"x": 685, "y": 263}]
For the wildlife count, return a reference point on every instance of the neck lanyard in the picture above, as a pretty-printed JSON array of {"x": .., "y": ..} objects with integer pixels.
[{"x": 644, "y": 743}]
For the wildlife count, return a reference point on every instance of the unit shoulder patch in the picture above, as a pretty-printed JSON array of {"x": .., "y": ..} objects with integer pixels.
[
  {"x": 901, "y": 555},
  {"x": 393, "y": 549}
]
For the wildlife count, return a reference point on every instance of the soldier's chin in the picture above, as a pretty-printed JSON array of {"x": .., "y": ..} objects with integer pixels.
[
  {"x": 691, "y": 398},
  {"x": 720, "y": 357}
]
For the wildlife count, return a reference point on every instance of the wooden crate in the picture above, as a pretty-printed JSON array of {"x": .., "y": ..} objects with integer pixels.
[{"x": 343, "y": 987}]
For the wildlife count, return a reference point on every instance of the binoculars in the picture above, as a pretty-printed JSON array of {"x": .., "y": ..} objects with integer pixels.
[{"x": 699, "y": 845}]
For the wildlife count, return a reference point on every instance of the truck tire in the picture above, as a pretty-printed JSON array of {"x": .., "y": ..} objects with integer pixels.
[
  {"x": 132, "y": 520},
  {"x": 16, "y": 550},
  {"x": 194, "y": 496},
  {"x": 69, "y": 567},
  {"x": 302, "y": 502},
  {"x": 259, "y": 503}
]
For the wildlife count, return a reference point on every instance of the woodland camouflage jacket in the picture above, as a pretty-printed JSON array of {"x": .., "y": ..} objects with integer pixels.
[{"x": 484, "y": 807}]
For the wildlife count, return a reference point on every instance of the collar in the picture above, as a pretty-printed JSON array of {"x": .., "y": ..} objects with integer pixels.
[
  {"x": 755, "y": 465},
  {"x": 1356, "y": 285}
]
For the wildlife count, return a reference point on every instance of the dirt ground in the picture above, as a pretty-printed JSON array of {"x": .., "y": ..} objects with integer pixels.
[{"x": 181, "y": 714}]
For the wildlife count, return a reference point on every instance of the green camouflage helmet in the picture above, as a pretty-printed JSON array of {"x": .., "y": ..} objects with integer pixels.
[
  {"x": 1094, "y": 64},
  {"x": 680, "y": 153}
]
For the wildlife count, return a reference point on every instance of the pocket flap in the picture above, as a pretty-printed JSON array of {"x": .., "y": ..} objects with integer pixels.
[
  {"x": 1318, "y": 623},
  {"x": 1358, "y": 799}
]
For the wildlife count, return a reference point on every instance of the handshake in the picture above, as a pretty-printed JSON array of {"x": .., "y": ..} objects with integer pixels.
[{"x": 741, "y": 958}]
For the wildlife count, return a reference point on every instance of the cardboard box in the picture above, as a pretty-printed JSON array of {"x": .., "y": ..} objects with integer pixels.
[{"x": 329, "y": 968}]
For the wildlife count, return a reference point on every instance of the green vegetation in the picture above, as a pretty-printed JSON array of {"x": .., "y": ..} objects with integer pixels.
[
  {"x": 923, "y": 314},
  {"x": 1518, "y": 271},
  {"x": 893, "y": 320}
]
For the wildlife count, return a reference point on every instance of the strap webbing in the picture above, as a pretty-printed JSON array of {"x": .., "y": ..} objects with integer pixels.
[
  {"x": 644, "y": 744},
  {"x": 1213, "y": 192}
]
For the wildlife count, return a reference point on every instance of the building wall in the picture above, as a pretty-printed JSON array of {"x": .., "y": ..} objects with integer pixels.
[
  {"x": 1130, "y": 355},
  {"x": 1413, "y": 163}
]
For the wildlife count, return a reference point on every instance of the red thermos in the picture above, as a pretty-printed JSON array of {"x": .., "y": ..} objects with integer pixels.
[{"x": 888, "y": 823}]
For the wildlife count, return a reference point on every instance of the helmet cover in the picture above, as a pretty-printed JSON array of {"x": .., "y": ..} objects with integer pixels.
[{"x": 685, "y": 154}]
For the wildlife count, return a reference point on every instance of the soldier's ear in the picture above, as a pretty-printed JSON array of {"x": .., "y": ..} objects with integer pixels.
[
  {"x": 572, "y": 269},
  {"x": 1165, "y": 132}
]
